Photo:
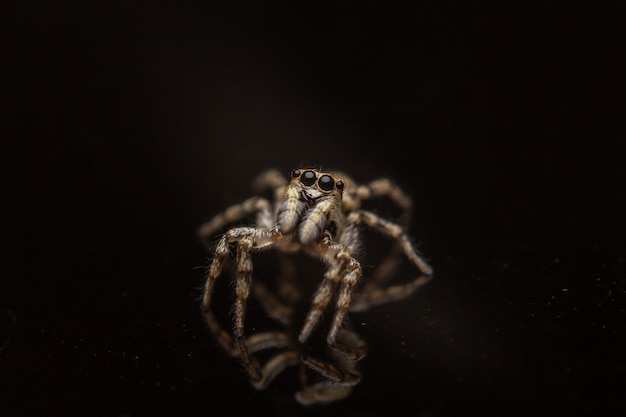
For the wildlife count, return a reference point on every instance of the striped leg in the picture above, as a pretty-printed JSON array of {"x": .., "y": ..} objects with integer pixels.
[
  {"x": 375, "y": 295},
  {"x": 247, "y": 240}
]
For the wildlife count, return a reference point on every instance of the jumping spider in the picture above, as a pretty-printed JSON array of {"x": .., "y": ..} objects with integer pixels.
[{"x": 316, "y": 213}]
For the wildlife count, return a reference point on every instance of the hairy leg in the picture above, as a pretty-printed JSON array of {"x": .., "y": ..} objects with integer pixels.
[
  {"x": 270, "y": 179},
  {"x": 377, "y": 294},
  {"x": 343, "y": 271},
  {"x": 232, "y": 214},
  {"x": 247, "y": 240},
  {"x": 386, "y": 188}
]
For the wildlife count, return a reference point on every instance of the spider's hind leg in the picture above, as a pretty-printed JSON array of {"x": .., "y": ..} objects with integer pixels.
[
  {"x": 375, "y": 293},
  {"x": 386, "y": 188}
]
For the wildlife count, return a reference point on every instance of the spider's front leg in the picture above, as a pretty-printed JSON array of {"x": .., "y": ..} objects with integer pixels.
[
  {"x": 247, "y": 239},
  {"x": 344, "y": 271}
]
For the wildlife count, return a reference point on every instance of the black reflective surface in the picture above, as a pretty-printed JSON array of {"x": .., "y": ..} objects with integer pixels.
[{"x": 130, "y": 125}]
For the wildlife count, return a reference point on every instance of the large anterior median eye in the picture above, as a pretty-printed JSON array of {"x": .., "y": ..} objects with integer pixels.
[
  {"x": 326, "y": 182},
  {"x": 308, "y": 178}
]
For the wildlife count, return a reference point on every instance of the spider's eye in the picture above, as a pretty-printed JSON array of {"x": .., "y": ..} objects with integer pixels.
[
  {"x": 308, "y": 178},
  {"x": 326, "y": 183},
  {"x": 339, "y": 185},
  {"x": 295, "y": 173}
]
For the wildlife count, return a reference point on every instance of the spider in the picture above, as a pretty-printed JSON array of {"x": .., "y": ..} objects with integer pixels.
[{"x": 317, "y": 213}]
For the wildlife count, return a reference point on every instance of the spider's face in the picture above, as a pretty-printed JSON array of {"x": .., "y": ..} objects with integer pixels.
[
  {"x": 312, "y": 204},
  {"x": 315, "y": 184}
]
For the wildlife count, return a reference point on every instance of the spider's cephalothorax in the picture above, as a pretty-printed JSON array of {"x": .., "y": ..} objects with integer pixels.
[{"x": 319, "y": 214}]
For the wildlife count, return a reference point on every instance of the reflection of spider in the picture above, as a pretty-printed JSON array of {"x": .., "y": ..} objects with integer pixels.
[{"x": 319, "y": 214}]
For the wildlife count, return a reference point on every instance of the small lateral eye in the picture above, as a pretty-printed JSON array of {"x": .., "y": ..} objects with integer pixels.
[
  {"x": 326, "y": 183},
  {"x": 308, "y": 178},
  {"x": 295, "y": 173},
  {"x": 339, "y": 185}
]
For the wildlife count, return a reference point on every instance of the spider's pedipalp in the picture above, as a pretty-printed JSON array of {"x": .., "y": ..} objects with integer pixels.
[
  {"x": 314, "y": 221},
  {"x": 290, "y": 210}
]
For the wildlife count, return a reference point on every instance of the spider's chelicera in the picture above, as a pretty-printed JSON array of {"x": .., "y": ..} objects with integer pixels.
[{"x": 320, "y": 214}]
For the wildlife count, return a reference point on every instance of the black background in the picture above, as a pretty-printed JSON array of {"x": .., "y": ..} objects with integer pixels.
[{"x": 128, "y": 125}]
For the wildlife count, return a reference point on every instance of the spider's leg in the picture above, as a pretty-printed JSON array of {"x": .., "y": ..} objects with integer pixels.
[
  {"x": 273, "y": 306},
  {"x": 274, "y": 366},
  {"x": 224, "y": 338},
  {"x": 268, "y": 340},
  {"x": 378, "y": 295},
  {"x": 386, "y": 188},
  {"x": 350, "y": 274},
  {"x": 276, "y": 309},
  {"x": 272, "y": 178},
  {"x": 323, "y": 392},
  {"x": 321, "y": 299},
  {"x": 341, "y": 374},
  {"x": 242, "y": 292},
  {"x": 331, "y": 371},
  {"x": 265, "y": 217},
  {"x": 247, "y": 239},
  {"x": 234, "y": 213},
  {"x": 385, "y": 270},
  {"x": 348, "y": 347},
  {"x": 344, "y": 269},
  {"x": 336, "y": 256}
]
